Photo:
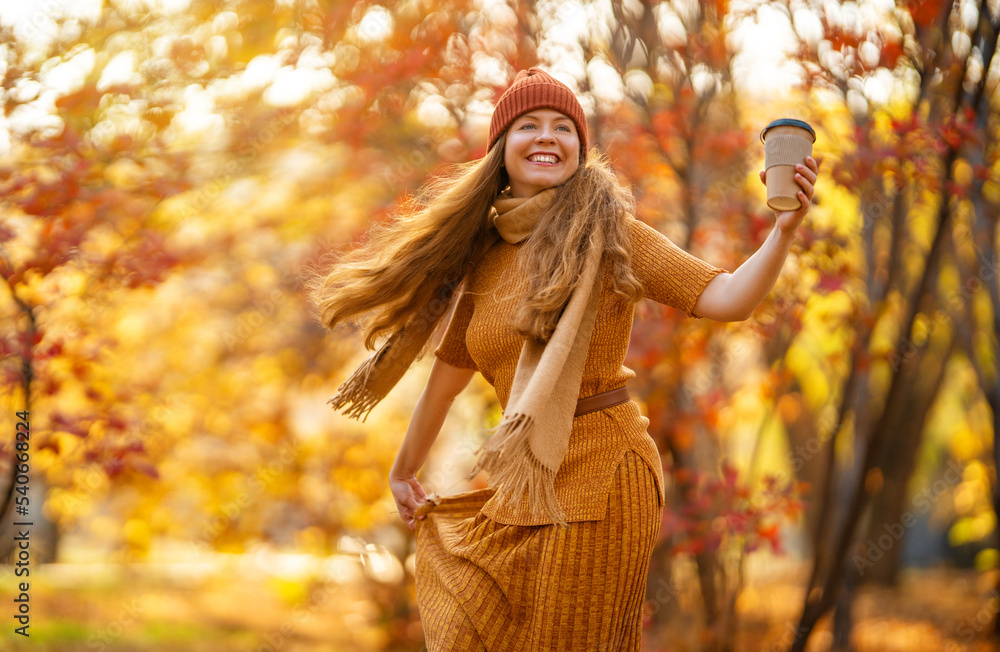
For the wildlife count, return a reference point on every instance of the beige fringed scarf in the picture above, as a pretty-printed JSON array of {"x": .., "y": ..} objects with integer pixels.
[
  {"x": 529, "y": 445},
  {"x": 373, "y": 379}
]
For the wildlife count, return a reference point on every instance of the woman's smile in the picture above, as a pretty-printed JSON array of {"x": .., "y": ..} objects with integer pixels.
[{"x": 544, "y": 159}]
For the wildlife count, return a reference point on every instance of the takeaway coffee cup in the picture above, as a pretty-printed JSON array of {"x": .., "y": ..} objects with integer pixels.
[{"x": 786, "y": 143}]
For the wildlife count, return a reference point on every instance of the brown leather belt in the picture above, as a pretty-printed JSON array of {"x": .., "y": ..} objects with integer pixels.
[{"x": 601, "y": 401}]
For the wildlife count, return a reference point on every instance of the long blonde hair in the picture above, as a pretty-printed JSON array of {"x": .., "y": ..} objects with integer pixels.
[
  {"x": 430, "y": 246},
  {"x": 553, "y": 258}
]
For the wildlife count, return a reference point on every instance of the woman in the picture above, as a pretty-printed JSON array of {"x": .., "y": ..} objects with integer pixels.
[{"x": 540, "y": 236}]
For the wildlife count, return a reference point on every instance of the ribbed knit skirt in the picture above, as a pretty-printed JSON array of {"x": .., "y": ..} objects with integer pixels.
[{"x": 483, "y": 586}]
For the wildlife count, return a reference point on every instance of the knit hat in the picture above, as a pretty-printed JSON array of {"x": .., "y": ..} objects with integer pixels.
[{"x": 536, "y": 89}]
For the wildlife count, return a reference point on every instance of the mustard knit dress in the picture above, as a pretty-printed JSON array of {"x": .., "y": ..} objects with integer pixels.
[{"x": 489, "y": 576}]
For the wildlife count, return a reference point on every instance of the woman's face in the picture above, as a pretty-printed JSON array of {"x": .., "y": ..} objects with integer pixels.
[{"x": 542, "y": 150}]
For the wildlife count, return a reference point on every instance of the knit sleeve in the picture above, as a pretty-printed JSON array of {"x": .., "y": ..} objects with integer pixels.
[
  {"x": 668, "y": 274},
  {"x": 452, "y": 348}
]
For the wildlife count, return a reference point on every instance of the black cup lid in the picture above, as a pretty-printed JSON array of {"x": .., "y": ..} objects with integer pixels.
[{"x": 789, "y": 122}]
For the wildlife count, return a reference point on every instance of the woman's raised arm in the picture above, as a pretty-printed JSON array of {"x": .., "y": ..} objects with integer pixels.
[
  {"x": 733, "y": 297},
  {"x": 443, "y": 385}
]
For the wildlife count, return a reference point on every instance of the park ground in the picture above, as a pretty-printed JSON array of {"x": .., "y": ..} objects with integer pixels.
[{"x": 235, "y": 608}]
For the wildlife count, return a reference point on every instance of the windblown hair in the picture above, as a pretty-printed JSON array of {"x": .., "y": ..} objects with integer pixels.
[
  {"x": 593, "y": 198},
  {"x": 416, "y": 259},
  {"x": 423, "y": 254}
]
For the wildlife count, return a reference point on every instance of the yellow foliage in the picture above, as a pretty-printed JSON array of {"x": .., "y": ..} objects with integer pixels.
[
  {"x": 987, "y": 560},
  {"x": 965, "y": 445},
  {"x": 815, "y": 386},
  {"x": 991, "y": 191},
  {"x": 963, "y": 173},
  {"x": 970, "y": 529},
  {"x": 137, "y": 533}
]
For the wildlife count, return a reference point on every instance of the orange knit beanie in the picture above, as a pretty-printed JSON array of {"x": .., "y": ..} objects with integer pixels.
[{"x": 536, "y": 89}]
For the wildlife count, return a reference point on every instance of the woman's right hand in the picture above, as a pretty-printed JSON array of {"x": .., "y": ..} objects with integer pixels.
[
  {"x": 409, "y": 495},
  {"x": 443, "y": 385}
]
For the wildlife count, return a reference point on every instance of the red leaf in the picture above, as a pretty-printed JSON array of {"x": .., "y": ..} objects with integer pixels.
[
  {"x": 730, "y": 474},
  {"x": 770, "y": 533},
  {"x": 925, "y": 12},
  {"x": 73, "y": 426},
  {"x": 113, "y": 467},
  {"x": 829, "y": 283},
  {"x": 890, "y": 54}
]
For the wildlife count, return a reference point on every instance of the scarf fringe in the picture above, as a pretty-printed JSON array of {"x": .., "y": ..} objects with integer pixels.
[
  {"x": 514, "y": 470},
  {"x": 357, "y": 392},
  {"x": 353, "y": 392},
  {"x": 375, "y": 377}
]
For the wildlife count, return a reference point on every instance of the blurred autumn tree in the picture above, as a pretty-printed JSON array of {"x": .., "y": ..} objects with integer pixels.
[
  {"x": 920, "y": 82},
  {"x": 78, "y": 189},
  {"x": 172, "y": 174}
]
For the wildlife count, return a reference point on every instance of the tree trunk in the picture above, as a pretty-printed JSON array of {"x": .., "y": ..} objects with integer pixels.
[
  {"x": 43, "y": 533},
  {"x": 44, "y": 536},
  {"x": 811, "y": 451},
  {"x": 843, "y": 620},
  {"x": 888, "y": 526}
]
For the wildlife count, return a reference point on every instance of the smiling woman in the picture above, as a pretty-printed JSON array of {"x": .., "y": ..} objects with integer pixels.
[
  {"x": 542, "y": 151},
  {"x": 539, "y": 235}
]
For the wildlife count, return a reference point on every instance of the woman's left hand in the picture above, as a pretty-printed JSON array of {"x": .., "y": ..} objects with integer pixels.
[{"x": 806, "y": 175}]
